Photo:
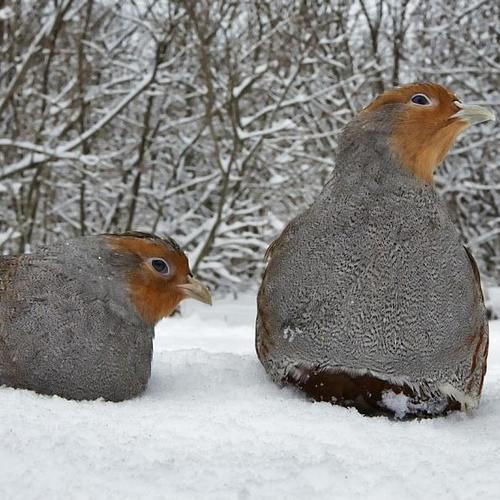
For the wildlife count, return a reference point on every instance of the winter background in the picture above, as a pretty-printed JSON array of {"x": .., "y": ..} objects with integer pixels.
[{"x": 215, "y": 121}]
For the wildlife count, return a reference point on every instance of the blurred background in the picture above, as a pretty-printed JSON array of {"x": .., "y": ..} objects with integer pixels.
[{"x": 216, "y": 121}]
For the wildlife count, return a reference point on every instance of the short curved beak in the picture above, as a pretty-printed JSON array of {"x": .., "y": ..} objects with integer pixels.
[
  {"x": 472, "y": 114},
  {"x": 195, "y": 290}
]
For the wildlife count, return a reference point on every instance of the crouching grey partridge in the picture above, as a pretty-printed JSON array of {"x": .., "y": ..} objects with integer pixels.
[{"x": 77, "y": 318}]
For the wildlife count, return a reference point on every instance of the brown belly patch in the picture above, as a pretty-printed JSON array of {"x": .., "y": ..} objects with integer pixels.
[{"x": 365, "y": 393}]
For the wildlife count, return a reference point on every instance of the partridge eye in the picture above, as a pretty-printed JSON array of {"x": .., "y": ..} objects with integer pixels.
[
  {"x": 160, "y": 266},
  {"x": 421, "y": 99}
]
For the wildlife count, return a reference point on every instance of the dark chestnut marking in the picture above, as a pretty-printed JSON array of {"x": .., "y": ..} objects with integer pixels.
[{"x": 365, "y": 392}]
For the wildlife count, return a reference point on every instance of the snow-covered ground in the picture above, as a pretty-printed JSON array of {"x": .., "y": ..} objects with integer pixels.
[{"x": 211, "y": 426}]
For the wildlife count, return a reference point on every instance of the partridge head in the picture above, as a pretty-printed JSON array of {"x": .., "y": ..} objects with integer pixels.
[
  {"x": 422, "y": 122},
  {"x": 158, "y": 274}
]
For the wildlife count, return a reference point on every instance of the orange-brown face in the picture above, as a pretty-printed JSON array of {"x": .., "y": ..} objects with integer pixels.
[
  {"x": 430, "y": 120},
  {"x": 160, "y": 276}
]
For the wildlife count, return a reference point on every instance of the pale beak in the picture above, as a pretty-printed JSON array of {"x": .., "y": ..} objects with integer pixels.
[
  {"x": 194, "y": 289},
  {"x": 472, "y": 114}
]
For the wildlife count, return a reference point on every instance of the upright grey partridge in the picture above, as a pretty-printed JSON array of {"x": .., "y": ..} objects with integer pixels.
[{"x": 369, "y": 298}]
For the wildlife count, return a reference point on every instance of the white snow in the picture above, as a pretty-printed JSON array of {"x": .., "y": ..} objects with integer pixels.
[
  {"x": 278, "y": 126},
  {"x": 492, "y": 297},
  {"x": 6, "y": 13},
  {"x": 398, "y": 403},
  {"x": 212, "y": 426}
]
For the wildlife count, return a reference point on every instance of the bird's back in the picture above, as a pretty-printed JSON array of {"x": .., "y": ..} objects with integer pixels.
[
  {"x": 372, "y": 279},
  {"x": 67, "y": 326}
]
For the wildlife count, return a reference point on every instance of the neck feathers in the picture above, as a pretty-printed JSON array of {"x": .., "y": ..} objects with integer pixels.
[{"x": 381, "y": 144}]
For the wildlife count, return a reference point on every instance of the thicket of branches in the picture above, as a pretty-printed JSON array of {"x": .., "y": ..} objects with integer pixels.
[{"x": 215, "y": 121}]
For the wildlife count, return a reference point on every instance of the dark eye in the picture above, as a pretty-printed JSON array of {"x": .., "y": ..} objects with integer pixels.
[
  {"x": 421, "y": 99},
  {"x": 160, "y": 266}
]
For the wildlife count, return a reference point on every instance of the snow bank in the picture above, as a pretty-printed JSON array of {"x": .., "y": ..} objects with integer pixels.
[{"x": 211, "y": 426}]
